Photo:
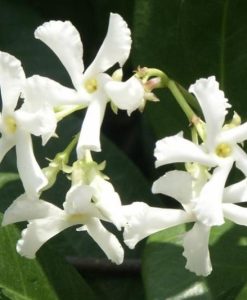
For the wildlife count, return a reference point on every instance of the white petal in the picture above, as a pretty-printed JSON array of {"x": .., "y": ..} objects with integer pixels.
[
  {"x": 143, "y": 220},
  {"x": 78, "y": 200},
  {"x": 115, "y": 48},
  {"x": 235, "y": 213},
  {"x": 241, "y": 159},
  {"x": 5, "y": 145},
  {"x": 175, "y": 149},
  {"x": 106, "y": 240},
  {"x": 41, "y": 122},
  {"x": 38, "y": 232},
  {"x": 196, "y": 250},
  {"x": 31, "y": 175},
  {"x": 89, "y": 138},
  {"x": 11, "y": 79},
  {"x": 236, "y": 192},
  {"x": 208, "y": 206},
  {"x": 107, "y": 201},
  {"x": 237, "y": 134},
  {"x": 64, "y": 40},
  {"x": 214, "y": 106},
  {"x": 176, "y": 184},
  {"x": 39, "y": 90},
  {"x": 26, "y": 209},
  {"x": 126, "y": 95}
]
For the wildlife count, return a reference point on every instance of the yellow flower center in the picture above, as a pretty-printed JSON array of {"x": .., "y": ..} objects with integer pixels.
[
  {"x": 77, "y": 218},
  {"x": 91, "y": 85},
  {"x": 223, "y": 150},
  {"x": 10, "y": 124}
]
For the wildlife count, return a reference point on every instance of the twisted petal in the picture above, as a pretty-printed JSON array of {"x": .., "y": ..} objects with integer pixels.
[
  {"x": 214, "y": 106},
  {"x": 176, "y": 184},
  {"x": 78, "y": 200},
  {"x": 5, "y": 145},
  {"x": 143, "y": 220},
  {"x": 40, "y": 123},
  {"x": 106, "y": 240},
  {"x": 196, "y": 250},
  {"x": 241, "y": 159},
  {"x": 39, "y": 232},
  {"x": 107, "y": 201},
  {"x": 126, "y": 95},
  {"x": 177, "y": 149},
  {"x": 115, "y": 48},
  {"x": 39, "y": 90},
  {"x": 11, "y": 80},
  {"x": 236, "y": 192},
  {"x": 235, "y": 213},
  {"x": 208, "y": 206},
  {"x": 31, "y": 175},
  {"x": 26, "y": 209},
  {"x": 89, "y": 138},
  {"x": 64, "y": 40},
  {"x": 237, "y": 134}
]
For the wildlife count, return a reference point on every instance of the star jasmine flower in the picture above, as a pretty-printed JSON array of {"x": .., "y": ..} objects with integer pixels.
[
  {"x": 85, "y": 204},
  {"x": 17, "y": 125},
  {"x": 218, "y": 151},
  {"x": 93, "y": 87},
  {"x": 143, "y": 220}
]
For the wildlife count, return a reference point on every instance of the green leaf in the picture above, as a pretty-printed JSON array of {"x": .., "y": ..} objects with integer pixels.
[
  {"x": 47, "y": 277},
  {"x": 164, "y": 270},
  {"x": 7, "y": 177},
  {"x": 189, "y": 40}
]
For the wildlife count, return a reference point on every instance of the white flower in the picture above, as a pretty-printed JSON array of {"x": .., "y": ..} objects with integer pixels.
[
  {"x": 220, "y": 149},
  {"x": 17, "y": 125},
  {"x": 84, "y": 205},
  {"x": 143, "y": 220},
  {"x": 93, "y": 88}
]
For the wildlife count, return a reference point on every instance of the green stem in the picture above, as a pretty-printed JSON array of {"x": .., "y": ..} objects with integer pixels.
[
  {"x": 172, "y": 86},
  {"x": 66, "y": 110},
  {"x": 71, "y": 146}
]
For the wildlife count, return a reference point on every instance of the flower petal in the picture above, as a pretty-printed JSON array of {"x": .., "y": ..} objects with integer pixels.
[
  {"x": 126, "y": 95},
  {"x": 208, "y": 206},
  {"x": 175, "y": 149},
  {"x": 106, "y": 240},
  {"x": 78, "y": 200},
  {"x": 214, "y": 106},
  {"x": 237, "y": 134},
  {"x": 107, "y": 201},
  {"x": 41, "y": 122},
  {"x": 64, "y": 40},
  {"x": 39, "y": 90},
  {"x": 196, "y": 250},
  {"x": 241, "y": 159},
  {"x": 39, "y": 232},
  {"x": 176, "y": 184},
  {"x": 11, "y": 79},
  {"x": 143, "y": 220},
  {"x": 236, "y": 192},
  {"x": 115, "y": 48},
  {"x": 235, "y": 213},
  {"x": 31, "y": 175},
  {"x": 26, "y": 209},
  {"x": 89, "y": 138},
  {"x": 5, "y": 145}
]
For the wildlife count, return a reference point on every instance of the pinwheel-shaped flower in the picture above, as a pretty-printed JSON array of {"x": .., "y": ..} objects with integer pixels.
[
  {"x": 143, "y": 220},
  {"x": 17, "y": 125},
  {"x": 219, "y": 150},
  {"x": 93, "y": 87},
  {"x": 84, "y": 205}
]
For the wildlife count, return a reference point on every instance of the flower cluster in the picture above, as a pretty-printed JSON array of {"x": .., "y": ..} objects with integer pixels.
[
  {"x": 215, "y": 148},
  {"x": 44, "y": 102},
  {"x": 202, "y": 193}
]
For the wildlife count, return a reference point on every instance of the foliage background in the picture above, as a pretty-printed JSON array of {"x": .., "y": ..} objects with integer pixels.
[{"x": 188, "y": 39}]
